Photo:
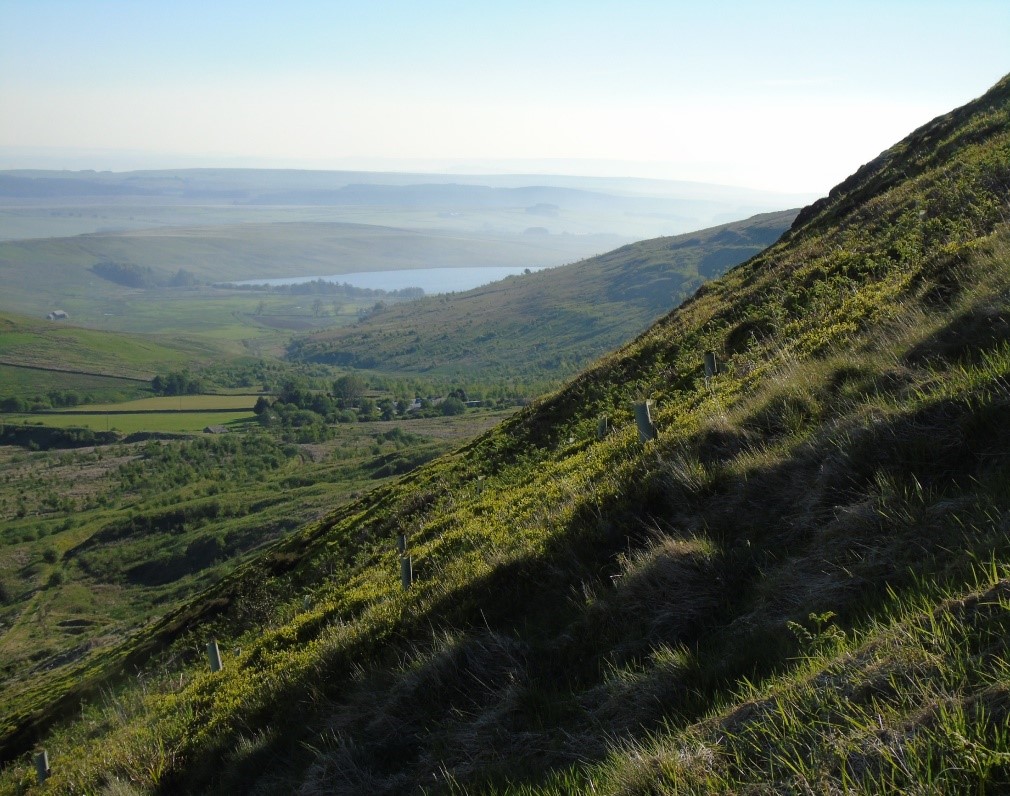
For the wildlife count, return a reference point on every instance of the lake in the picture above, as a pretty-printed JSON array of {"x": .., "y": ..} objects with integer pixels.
[{"x": 430, "y": 280}]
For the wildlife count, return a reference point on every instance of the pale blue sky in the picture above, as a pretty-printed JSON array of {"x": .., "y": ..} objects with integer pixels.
[{"x": 778, "y": 95}]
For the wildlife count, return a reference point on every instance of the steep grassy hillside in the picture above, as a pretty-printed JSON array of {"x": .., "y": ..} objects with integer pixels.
[
  {"x": 552, "y": 322},
  {"x": 801, "y": 585}
]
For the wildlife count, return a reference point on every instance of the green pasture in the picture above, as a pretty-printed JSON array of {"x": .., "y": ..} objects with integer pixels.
[
  {"x": 28, "y": 381},
  {"x": 59, "y": 345},
  {"x": 173, "y": 422},
  {"x": 180, "y": 325},
  {"x": 43, "y": 274},
  {"x": 172, "y": 403}
]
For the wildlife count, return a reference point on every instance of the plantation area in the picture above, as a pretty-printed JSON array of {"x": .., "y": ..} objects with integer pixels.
[
  {"x": 125, "y": 493},
  {"x": 101, "y": 539}
]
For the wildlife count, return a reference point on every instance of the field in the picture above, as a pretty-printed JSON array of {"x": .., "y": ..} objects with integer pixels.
[
  {"x": 96, "y": 541},
  {"x": 22, "y": 380},
  {"x": 548, "y": 324},
  {"x": 172, "y": 403},
  {"x": 230, "y": 225},
  {"x": 133, "y": 422},
  {"x": 170, "y": 414},
  {"x": 56, "y": 346},
  {"x": 40, "y": 275},
  {"x": 117, "y": 512}
]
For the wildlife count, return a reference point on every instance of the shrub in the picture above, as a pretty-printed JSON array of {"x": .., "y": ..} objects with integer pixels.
[{"x": 453, "y": 406}]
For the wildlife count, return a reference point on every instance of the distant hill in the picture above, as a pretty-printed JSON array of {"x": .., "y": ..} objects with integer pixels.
[
  {"x": 551, "y": 322},
  {"x": 40, "y": 272},
  {"x": 39, "y": 203}
]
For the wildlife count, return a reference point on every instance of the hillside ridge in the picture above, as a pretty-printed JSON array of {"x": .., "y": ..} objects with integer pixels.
[
  {"x": 552, "y": 322},
  {"x": 797, "y": 585}
]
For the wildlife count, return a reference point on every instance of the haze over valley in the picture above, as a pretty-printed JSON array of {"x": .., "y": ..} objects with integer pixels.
[{"x": 504, "y": 399}]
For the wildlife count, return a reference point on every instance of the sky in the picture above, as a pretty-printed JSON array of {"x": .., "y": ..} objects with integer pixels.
[{"x": 781, "y": 96}]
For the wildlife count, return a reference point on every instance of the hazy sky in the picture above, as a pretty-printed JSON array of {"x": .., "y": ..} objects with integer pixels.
[{"x": 779, "y": 95}]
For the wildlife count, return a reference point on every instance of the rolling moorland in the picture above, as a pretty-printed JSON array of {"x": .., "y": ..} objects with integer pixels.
[
  {"x": 149, "y": 251},
  {"x": 800, "y": 584},
  {"x": 546, "y": 324},
  {"x": 135, "y": 552},
  {"x": 116, "y": 510},
  {"x": 125, "y": 281}
]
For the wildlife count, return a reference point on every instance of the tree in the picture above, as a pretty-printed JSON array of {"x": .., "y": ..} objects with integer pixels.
[
  {"x": 13, "y": 404},
  {"x": 294, "y": 392},
  {"x": 387, "y": 409},
  {"x": 349, "y": 389},
  {"x": 453, "y": 406},
  {"x": 183, "y": 278},
  {"x": 176, "y": 383},
  {"x": 367, "y": 409}
]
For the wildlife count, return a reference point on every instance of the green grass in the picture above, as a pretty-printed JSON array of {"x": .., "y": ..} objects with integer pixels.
[
  {"x": 129, "y": 423},
  {"x": 97, "y": 542},
  {"x": 40, "y": 275},
  {"x": 187, "y": 403},
  {"x": 29, "y": 381},
  {"x": 800, "y": 586},
  {"x": 54, "y": 345},
  {"x": 492, "y": 333}
]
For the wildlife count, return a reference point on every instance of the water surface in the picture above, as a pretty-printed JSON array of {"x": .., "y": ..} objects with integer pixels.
[{"x": 431, "y": 280}]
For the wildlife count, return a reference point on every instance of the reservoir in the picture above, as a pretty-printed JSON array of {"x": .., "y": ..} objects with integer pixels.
[{"x": 430, "y": 280}]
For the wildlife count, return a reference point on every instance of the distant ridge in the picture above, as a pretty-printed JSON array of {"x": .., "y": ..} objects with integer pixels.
[
  {"x": 632, "y": 208},
  {"x": 552, "y": 322}
]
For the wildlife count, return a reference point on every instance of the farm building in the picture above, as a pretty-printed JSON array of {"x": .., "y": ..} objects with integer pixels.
[{"x": 57, "y": 315}]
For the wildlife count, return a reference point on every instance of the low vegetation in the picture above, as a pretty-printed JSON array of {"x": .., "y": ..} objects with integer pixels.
[
  {"x": 800, "y": 585},
  {"x": 102, "y": 535}
]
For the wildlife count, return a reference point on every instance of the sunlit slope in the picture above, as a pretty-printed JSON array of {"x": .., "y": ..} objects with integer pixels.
[
  {"x": 799, "y": 586},
  {"x": 38, "y": 274},
  {"x": 553, "y": 322},
  {"x": 61, "y": 346}
]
